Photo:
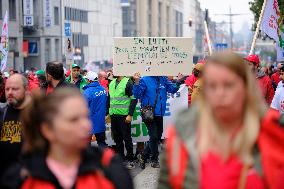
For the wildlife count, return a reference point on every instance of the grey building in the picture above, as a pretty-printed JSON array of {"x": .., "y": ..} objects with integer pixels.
[
  {"x": 42, "y": 40},
  {"x": 44, "y": 37},
  {"x": 15, "y": 57},
  {"x": 152, "y": 18}
]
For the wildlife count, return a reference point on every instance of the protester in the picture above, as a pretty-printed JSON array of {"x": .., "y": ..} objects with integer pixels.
[
  {"x": 152, "y": 91},
  {"x": 2, "y": 88},
  {"x": 276, "y": 76},
  {"x": 197, "y": 86},
  {"x": 190, "y": 80},
  {"x": 40, "y": 74},
  {"x": 103, "y": 80},
  {"x": 56, "y": 152},
  {"x": 55, "y": 77},
  {"x": 16, "y": 92},
  {"x": 33, "y": 82},
  {"x": 278, "y": 99},
  {"x": 84, "y": 73},
  {"x": 11, "y": 71},
  {"x": 263, "y": 80},
  {"x": 121, "y": 108},
  {"x": 212, "y": 143},
  {"x": 96, "y": 97},
  {"x": 77, "y": 78}
]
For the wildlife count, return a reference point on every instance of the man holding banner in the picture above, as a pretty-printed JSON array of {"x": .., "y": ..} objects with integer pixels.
[{"x": 152, "y": 91}]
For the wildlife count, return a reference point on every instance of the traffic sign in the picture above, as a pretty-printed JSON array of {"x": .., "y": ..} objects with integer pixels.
[
  {"x": 33, "y": 48},
  {"x": 67, "y": 28},
  {"x": 220, "y": 46}
]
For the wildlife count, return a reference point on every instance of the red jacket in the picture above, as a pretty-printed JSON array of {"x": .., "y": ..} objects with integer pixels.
[
  {"x": 266, "y": 88},
  {"x": 104, "y": 83},
  {"x": 178, "y": 160},
  {"x": 190, "y": 80},
  {"x": 98, "y": 169},
  {"x": 33, "y": 82},
  {"x": 276, "y": 78}
]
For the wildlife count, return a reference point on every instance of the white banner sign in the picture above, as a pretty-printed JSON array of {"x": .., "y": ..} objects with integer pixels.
[
  {"x": 4, "y": 43},
  {"x": 152, "y": 56},
  {"x": 47, "y": 13},
  {"x": 272, "y": 25},
  {"x": 28, "y": 9},
  {"x": 269, "y": 22},
  {"x": 175, "y": 104}
]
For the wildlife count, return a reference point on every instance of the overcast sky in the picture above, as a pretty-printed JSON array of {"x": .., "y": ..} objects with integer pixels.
[{"x": 222, "y": 7}]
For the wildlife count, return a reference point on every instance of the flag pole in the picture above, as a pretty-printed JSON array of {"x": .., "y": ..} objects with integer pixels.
[
  {"x": 257, "y": 28},
  {"x": 208, "y": 37}
]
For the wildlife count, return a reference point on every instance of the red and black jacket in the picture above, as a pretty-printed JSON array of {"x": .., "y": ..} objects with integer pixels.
[{"x": 98, "y": 169}]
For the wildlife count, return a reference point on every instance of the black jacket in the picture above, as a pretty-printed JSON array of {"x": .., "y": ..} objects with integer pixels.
[
  {"x": 62, "y": 83},
  {"x": 34, "y": 165}
]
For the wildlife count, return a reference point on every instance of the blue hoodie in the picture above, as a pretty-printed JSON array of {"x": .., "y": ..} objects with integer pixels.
[
  {"x": 96, "y": 97},
  {"x": 146, "y": 92}
]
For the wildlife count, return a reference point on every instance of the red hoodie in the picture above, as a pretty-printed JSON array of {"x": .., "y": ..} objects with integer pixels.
[
  {"x": 104, "y": 83},
  {"x": 190, "y": 80},
  {"x": 33, "y": 82},
  {"x": 266, "y": 88},
  {"x": 276, "y": 78}
]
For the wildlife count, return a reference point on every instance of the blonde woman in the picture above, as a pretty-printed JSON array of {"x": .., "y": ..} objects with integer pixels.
[{"x": 215, "y": 143}]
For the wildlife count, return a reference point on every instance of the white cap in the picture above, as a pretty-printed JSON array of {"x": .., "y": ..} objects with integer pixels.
[
  {"x": 92, "y": 76},
  {"x": 6, "y": 74}
]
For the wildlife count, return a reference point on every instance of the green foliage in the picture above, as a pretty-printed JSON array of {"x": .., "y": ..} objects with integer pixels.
[{"x": 256, "y": 5}]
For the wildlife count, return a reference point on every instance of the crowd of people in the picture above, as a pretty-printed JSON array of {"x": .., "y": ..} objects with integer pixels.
[{"x": 49, "y": 119}]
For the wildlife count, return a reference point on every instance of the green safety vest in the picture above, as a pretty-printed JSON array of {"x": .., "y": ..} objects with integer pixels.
[{"x": 119, "y": 101}]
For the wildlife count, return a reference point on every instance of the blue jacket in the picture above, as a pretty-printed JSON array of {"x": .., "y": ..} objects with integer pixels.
[
  {"x": 146, "y": 92},
  {"x": 96, "y": 97}
]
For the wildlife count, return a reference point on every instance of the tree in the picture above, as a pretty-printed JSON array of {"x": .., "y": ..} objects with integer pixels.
[{"x": 256, "y": 6}]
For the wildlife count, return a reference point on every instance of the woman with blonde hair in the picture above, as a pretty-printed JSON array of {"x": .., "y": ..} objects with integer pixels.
[{"x": 216, "y": 143}]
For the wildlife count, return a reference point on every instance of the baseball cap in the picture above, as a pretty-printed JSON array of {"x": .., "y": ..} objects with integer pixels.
[
  {"x": 40, "y": 72},
  {"x": 253, "y": 58},
  {"x": 92, "y": 76},
  {"x": 75, "y": 66}
]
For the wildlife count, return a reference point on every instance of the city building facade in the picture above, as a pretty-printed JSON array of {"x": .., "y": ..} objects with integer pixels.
[
  {"x": 152, "y": 18},
  {"x": 94, "y": 23},
  {"x": 37, "y": 30},
  {"x": 15, "y": 56}
]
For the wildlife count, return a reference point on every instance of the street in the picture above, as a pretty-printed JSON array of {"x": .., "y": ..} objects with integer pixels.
[{"x": 145, "y": 179}]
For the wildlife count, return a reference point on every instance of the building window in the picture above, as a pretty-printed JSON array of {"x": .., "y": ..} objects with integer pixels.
[
  {"x": 56, "y": 16},
  {"x": 160, "y": 19},
  {"x": 0, "y": 9},
  {"x": 181, "y": 24},
  {"x": 168, "y": 21},
  {"x": 12, "y": 9},
  {"x": 57, "y": 49},
  {"x": 149, "y": 18},
  {"x": 13, "y": 46},
  {"x": 76, "y": 14},
  {"x": 47, "y": 50},
  {"x": 80, "y": 40}
]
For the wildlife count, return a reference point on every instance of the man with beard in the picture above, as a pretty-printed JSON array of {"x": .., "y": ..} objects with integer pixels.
[
  {"x": 55, "y": 77},
  {"x": 16, "y": 92},
  {"x": 77, "y": 78}
]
